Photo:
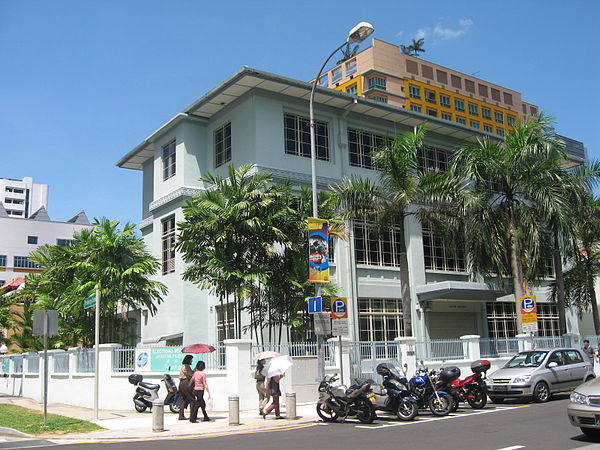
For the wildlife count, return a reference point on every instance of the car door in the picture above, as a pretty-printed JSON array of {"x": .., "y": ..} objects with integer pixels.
[
  {"x": 578, "y": 367},
  {"x": 559, "y": 376}
]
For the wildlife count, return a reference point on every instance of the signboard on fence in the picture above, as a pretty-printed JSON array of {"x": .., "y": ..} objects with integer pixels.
[
  {"x": 158, "y": 359},
  {"x": 5, "y": 365},
  {"x": 529, "y": 314},
  {"x": 339, "y": 327},
  {"x": 322, "y": 323}
]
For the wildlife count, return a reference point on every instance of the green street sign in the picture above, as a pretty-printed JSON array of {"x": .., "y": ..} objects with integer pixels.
[{"x": 89, "y": 302}]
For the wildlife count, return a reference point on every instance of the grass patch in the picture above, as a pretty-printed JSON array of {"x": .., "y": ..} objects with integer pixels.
[{"x": 32, "y": 422}]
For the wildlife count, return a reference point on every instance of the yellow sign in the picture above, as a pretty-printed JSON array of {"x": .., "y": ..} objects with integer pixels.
[{"x": 529, "y": 318}]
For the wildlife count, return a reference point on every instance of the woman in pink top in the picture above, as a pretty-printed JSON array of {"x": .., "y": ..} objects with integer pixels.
[{"x": 199, "y": 384}]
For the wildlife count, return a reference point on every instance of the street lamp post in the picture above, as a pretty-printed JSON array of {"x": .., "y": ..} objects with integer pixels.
[{"x": 357, "y": 34}]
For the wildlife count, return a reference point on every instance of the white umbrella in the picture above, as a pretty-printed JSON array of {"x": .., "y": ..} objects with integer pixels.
[{"x": 277, "y": 366}]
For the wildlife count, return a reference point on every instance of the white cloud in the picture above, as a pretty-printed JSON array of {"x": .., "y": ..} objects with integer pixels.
[
  {"x": 422, "y": 33},
  {"x": 449, "y": 33}
]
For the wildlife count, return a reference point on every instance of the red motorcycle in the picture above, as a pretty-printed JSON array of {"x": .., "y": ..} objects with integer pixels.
[{"x": 472, "y": 389}]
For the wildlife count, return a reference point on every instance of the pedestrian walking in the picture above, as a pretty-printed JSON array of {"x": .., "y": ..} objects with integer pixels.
[
  {"x": 263, "y": 398},
  {"x": 274, "y": 391},
  {"x": 186, "y": 394},
  {"x": 589, "y": 351},
  {"x": 200, "y": 386}
]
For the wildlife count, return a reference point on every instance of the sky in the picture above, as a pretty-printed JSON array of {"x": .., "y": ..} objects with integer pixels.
[{"x": 83, "y": 82}]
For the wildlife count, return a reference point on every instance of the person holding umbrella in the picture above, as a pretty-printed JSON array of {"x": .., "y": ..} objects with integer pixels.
[
  {"x": 261, "y": 388},
  {"x": 186, "y": 395},
  {"x": 273, "y": 372}
]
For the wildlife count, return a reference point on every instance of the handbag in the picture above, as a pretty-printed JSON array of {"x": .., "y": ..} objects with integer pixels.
[{"x": 209, "y": 403}]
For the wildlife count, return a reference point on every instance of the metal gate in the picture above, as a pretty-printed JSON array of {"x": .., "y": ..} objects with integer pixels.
[{"x": 365, "y": 356}]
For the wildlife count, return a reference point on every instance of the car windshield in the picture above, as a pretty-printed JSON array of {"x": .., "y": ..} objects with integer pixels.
[{"x": 526, "y": 359}]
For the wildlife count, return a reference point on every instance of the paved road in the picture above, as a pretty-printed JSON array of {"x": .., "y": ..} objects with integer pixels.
[{"x": 511, "y": 426}]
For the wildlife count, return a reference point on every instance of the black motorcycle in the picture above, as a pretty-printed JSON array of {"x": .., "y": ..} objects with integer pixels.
[
  {"x": 146, "y": 393},
  {"x": 393, "y": 396},
  {"x": 341, "y": 402}
]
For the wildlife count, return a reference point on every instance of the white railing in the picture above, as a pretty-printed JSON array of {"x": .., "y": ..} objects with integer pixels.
[
  {"x": 439, "y": 349},
  {"x": 492, "y": 348},
  {"x": 61, "y": 363},
  {"x": 85, "y": 360}
]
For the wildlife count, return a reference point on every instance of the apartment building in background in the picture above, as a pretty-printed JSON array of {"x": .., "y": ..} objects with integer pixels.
[{"x": 22, "y": 198}]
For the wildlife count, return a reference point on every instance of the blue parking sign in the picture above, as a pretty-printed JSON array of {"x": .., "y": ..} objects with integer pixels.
[{"x": 315, "y": 305}]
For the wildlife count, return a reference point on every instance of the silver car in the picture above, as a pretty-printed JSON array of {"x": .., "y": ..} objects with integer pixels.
[
  {"x": 539, "y": 373},
  {"x": 584, "y": 408}
]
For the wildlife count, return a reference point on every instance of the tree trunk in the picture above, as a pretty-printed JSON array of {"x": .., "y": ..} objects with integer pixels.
[
  {"x": 592, "y": 290},
  {"x": 516, "y": 267},
  {"x": 405, "y": 283},
  {"x": 560, "y": 287}
]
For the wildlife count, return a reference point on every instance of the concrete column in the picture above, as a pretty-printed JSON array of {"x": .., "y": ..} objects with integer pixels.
[
  {"x": 471, "y": 346},
  {"x": 525, "y": 342},
  {"x": 407, "y": 353},
  {"x": 290, "y": 406},
  {"x": 73, "y": 359},
  {"x": 238, "y": 363},
  {"x": 234, "y": 410},
  {"x": 105, "y": 370},
  {"x": 158, "y": 416}
]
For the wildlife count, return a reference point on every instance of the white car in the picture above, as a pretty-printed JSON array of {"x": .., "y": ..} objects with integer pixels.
[{"x": 584, "y": 408}]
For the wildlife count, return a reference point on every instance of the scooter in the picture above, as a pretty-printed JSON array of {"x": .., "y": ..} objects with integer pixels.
[
  {"x": 393, "y": 397},
  {"x": 146, "y": 393}
]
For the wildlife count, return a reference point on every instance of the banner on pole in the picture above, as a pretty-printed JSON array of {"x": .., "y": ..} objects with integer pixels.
[{"x": 318, "y": 250}]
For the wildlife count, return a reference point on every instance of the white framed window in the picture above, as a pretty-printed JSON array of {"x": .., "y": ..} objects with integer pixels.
[
  {"x": 324, "y": 81},
  {"x": 475, "y": 124},
  {"x": 65, "y": 242},
  {"x": 297, "y": 137},
  {"x": 380, "y": 319},
  {"x": 336, "y": 74},
  {"x": 225, "y": 322},
  {"x": 500, "y": 131},
  {"x": 473, "y": 109},
  {"x": 414, "y": 91},
  {"x": 437, "y": 255},
  {"x": 352, "y": 89},
  {"x": 168, "y": 245},
  {"x": 2, "y": 260},
  {"x": 377, "y": 83},
  {"x": 446, "y": 116},
  {"x": 351, "y": 67},
  {"x": 380, "y": 98},
  {"x": 376, "y": 248},
  {"x": 499, "y": 116},
  {"x": 223, "y": 145},
  {"x": 22, "y": 262},
  {"x": 445, "y": 101},
  {"x": 361, "y": 145},
  {"x": 486, "y": 113},
  {"x": 416, "y": 108},
  {"x": 510, "y": 120},
  {"x": 168, "y": 159},
  {"x": 488, "y": 128},
  {"x": 32, "y": 240},
  {"x": 461, "y": 120},
  {"x": 433, "y": 158},
  {"x": 430, "y": 96},
  {"x": 459, "y": 105},
  {"x": 502, "y": 319}
]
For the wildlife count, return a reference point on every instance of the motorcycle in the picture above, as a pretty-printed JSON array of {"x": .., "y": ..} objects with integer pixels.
[
  {"x": 394, "y": 396},
  {"x": 341, "y": 402},
  {"x": 146, "y": 393},
  {"x": 472, "y": 389},
  {"x": 422, "y": 387}
]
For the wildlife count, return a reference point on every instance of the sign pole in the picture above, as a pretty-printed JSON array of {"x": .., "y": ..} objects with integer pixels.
[
  {"x": 96, "y": 350},
  {"x": 321, "y": 360},
  {"x": 45, "y": 368},
  {"x": 341, "y": 359}
]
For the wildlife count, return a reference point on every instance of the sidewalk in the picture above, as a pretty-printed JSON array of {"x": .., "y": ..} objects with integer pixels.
[{"x": 126, "y": 425}]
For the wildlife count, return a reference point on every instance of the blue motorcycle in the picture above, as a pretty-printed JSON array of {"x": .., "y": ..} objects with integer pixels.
[{"x": 422, "y": 387}]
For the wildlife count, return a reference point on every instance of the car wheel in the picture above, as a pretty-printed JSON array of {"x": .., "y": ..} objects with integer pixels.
[
  {"x": 591, "y": 377},
  {"x": 592, "y": 433},
  {"x": 541, "y": 392},
  {"x": 497, "y": 400}
]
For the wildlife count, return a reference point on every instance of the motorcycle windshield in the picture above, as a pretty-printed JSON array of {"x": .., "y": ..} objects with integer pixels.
[{"x": 395, "y": 370}]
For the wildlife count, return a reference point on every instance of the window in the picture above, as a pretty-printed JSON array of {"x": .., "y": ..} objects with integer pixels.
[
  {"x": 446, "y": 116},
  {"x": 508, "y": 98},
  {"x": 223, "y": 145},
  {"x": 24, "y": 263},
  {"x": 488, "y": 128},
  {"x": 324, "y": 81},
  {"x": 2, "y": 260},
  {"x": 415, "y": 108},
  {"x": 14, "y": 201},
  {"x": 433, "y": 158},
  {"x": 380, "y": 319},
  {"x": 430, "y": 96},
  {"x": 456, "y": 81},
  {"x": 377, "y": 83},
  {"x": 486, "y": 113},
  {"x": 351, "y": 67},
  {"x": 379, "y": 98},
  {"x": 352, "y": 89},
  {"x": 495, "y": 94},
  {"x": 445, "y": 101},
  {"x": 361, "y": 146},
  {"x": 502, "y": 319},
  {"x": 510, "y": 120},
  {"x": 15, "y": 190},
  {"x": 10, "y": 212},
  {"x": 459, "y": 105},
  {"x": 414, "y": 91},
  {"x": 376, "y": 249},
  {"x": 473, "y": 109},
  {"x": 500, "y": 131},
  {"x": 168, "y": 158},
  {"x": 225, "y": 322},
  {"x": 431, "y": 112},
  {"x": 336, "y": 74},
  {"x": 483, "y": 90},
  {"x": 32, "y": 240},
  {"x": 461, "y": 120},
  {"x": 470, "y": 86},
  {"x": 65, "y": 242},
  {"x": 499, "y": 116},
  {"x": 442, "y": 76},
  {"x": 297, "y": 137},
  {"x": 168, "y": 245},
  {"x": 437, "y": 255},
  {"x": 475, "y": 124}
]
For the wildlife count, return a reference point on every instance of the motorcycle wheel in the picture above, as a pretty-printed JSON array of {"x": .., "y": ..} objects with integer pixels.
[
  {"x": 454, "y": 404},
  {"x": 140, "y": 408},
  {"x": 442, "y": 406},
  {"x": 480, "y": 399},
  {"x": 325, "y": 413},
  {"x": 174, "y": 407},
  {"x": 407, "y": 410},
  {"x": 365, "y": 412}
]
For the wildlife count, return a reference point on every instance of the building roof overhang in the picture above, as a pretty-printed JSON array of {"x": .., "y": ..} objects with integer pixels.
[
  {"x": 248, "y": 79},
  {"x": 458, "y": 290}
]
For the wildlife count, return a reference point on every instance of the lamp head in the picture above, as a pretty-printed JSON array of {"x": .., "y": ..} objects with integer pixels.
[{"x": 360, "y": 32}]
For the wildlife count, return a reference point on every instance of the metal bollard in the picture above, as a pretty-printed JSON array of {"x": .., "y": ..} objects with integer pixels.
[
  {"x": 158, "y": 416},
  {"x": 290, "y": 405},
  {"x": 234, "y": 410}
]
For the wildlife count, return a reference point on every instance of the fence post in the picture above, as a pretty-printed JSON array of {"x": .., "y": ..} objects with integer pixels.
[
  {"x": 73, "y": 367},
  {"x": 238, "y": 364},
  {"x": 471, "y": 348},
  {"x": 407, "y": 352},
  {"x": 572, "y": 340},
  {"x": 525, "y": 342},
  {"x": 105, "y": 369}
]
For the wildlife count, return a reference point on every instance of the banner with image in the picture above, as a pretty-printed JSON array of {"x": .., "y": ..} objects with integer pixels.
[{"x": 318, "y": 250}]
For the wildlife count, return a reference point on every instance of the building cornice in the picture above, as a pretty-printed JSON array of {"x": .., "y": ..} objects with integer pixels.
[{"x": 172, "y": 196}]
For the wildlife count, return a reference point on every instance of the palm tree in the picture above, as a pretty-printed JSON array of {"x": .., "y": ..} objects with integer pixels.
[
  {"x": 414, "y": 48},
  {"x": 401, "y": 183},
  {"x": 347, "y": 53}
]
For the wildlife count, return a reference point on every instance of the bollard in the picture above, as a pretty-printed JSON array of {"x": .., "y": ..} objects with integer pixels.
[
  {"x": 158, "y": 416},
  {"x": 234, "y": 410},
  {"x": 290, "y": 405}
]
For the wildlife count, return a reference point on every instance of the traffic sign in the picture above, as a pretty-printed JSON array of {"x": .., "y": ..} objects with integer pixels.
[
  {"x": 528, "y": 305},
  {"x": 322, "y": 324},
  {"x": 339, "y": 308},
  {"x": 529, "y": 314},
  {"x": 340, "y": 327},
  {"x": 89, "y": 302},
  {"x": 315, "y": 305}
]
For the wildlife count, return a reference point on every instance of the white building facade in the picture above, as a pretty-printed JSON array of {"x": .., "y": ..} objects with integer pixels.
[
  {"x": 21, "y": 198},
  {"x": 261, "y": 119}
]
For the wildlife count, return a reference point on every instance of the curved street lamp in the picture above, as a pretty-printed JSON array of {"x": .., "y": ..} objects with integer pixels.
[{"x": 357, "y": 34}]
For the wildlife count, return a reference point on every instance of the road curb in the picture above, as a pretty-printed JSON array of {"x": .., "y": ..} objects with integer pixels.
[{"x": 11, "y": 432}]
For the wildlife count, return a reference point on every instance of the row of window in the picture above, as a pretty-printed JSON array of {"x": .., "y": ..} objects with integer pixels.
[
  {"x": 336, "y": 74},
  {"x": 14, "y": 201},
  {"x": 459, "y": 119},
  {"x": 20, "y": 262},
  {"x": 14, "y": 190}
]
